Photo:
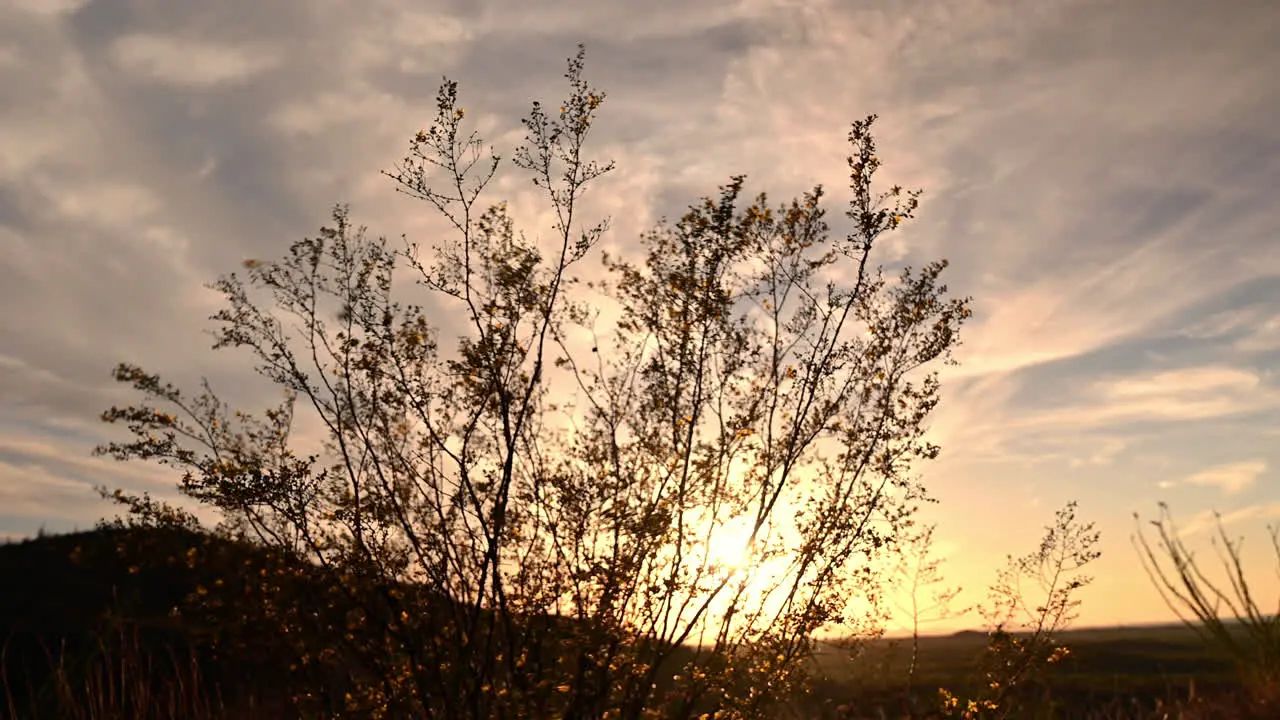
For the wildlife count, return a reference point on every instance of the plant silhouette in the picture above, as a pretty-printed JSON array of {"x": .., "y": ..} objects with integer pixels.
[{"x": 530, "y": 521}]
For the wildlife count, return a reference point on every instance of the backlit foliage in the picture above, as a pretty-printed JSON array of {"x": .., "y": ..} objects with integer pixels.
[
  {"x": 520, "y": 506},
  {"x": 1229, "y": 615},
  {"x": 1034, "y": 599}
]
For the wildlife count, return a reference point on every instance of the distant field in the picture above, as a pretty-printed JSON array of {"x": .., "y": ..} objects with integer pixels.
[{"x": 1106, "y": 665}]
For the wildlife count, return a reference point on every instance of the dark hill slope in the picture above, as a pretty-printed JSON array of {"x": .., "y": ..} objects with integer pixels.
[
  {"x": 251, "y": 620},
  {"x": 117, "y": 595}
]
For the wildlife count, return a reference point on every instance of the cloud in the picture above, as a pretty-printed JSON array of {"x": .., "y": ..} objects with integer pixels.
[
  {"x": 1183, "y": 394},
  {"x": 1209, "y": 520},
  {"x": 48, "y": 474},
  {"x": 1106, "y": 452},
  {"x": 188, "y": 62},
  {"x": 1230, "y": 479},
  {"x": 35, "y": 492},
  {"x": 1250, "y": 329},
  {"x": 49, "y": 8},
  {"x": 1263, "y": 336},
  {"x": 1228, "y": 322},
  {"x": 1058, "y": 416}
]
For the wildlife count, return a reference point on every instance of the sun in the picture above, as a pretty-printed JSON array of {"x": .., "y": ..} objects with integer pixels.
[{"x": 730, "y": 544}]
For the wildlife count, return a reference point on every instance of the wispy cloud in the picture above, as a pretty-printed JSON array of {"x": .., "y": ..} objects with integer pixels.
[
  {"x": 48, "y": 7},
  {"x": 1206, "y": 521},
  {"x": 1088, "y": 421},
  {"x": 1231, "y": 479},
  {"x": 187, "y": 62},
  {"x": 1263, "y": 337}
]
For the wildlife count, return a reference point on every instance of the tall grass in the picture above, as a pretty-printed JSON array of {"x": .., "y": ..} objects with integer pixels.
[
  {"x": 1227, "y": 615},
  {"x": 116, "y": 678}
]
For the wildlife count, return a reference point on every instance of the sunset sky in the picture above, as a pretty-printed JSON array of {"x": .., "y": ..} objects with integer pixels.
[{"x": 1102, "y": 175}]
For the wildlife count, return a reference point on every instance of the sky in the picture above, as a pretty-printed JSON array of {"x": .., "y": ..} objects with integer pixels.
[{"x": 1101, "y": 175}]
